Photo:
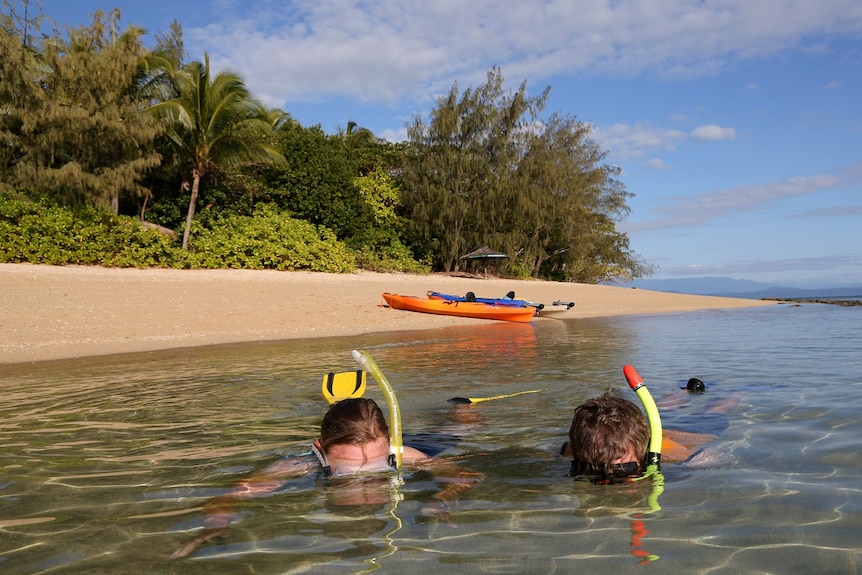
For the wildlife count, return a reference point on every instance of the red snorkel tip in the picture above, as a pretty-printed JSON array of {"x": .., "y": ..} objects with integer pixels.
[{"x": 632, "y": 376}]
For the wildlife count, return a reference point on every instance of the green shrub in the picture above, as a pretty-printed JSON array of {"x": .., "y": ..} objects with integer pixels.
[
  {"x": 39, "y": 234},
  {"x": 380, "y": 250},
  {"x": 268, "y": 240}
]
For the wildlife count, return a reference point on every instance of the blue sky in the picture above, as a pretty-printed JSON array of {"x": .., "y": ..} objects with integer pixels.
[{"x": 737, "y": 123}]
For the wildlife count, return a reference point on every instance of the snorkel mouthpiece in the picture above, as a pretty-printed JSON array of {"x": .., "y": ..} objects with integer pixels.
[{"x": 637, "y": 384}]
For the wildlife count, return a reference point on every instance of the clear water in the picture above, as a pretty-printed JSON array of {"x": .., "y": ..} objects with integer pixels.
[{"x": 105, "y": 461}]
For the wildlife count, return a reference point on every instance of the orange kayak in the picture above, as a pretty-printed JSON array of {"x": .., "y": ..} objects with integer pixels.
[{"x": 476, "y": 310}]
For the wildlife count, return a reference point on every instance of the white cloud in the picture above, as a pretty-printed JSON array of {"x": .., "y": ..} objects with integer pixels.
[
  {"x": 748, "y": 267},
  {"x": 832, "y": 212},
  {"x": 657, "y": 164},
  {"x": 713, "y": 132},
  {"x": 385, "y": 52},
  {"x": 626, "y": 141},
  {"x": 393, "y": 135},
  {"x": 834, "y": 85},
  {"x": 697, "y": 209}
]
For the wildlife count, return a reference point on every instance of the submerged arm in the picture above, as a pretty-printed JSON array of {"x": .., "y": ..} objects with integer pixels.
[{"x": 220, "y": 510}]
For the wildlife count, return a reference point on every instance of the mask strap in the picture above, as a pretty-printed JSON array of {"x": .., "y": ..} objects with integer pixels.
[{"x": 321, "y": 457}]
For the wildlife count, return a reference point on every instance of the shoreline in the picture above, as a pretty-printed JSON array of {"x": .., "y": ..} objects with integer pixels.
[{"x": 67, "y": 312}]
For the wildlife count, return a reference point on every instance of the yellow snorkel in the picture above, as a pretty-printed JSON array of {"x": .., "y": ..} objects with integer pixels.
[
  {"x": 653, "y": 469},
  {"x": 637, "y": 384},
  {"x": 396, "y": 443}
]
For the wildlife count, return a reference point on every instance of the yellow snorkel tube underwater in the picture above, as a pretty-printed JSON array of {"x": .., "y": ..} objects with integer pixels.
[
  {"x": 396, "y": 442},
  {"x": 653, "y": 468}
]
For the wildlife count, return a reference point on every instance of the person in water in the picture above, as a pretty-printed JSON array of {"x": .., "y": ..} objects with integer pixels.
[
  {"x": 609, "y": 436},
  {"x": 353, "y": 441}
]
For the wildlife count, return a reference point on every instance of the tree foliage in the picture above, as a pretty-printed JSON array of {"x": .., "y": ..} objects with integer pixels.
[
  {"x": 91, "y": 117},
  {"x": 458, "y": 167},
  {"x": 316, "y": 183},
  {"x": 380, "y": 245},
  {"x": 487, "y": 169},
  {"x": 214, "y": 123},
  {"x": 71, "y": 127}
]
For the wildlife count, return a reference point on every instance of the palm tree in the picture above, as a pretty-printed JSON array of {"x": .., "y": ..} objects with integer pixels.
[
  {"x": 356, "y": 136},
  {"x": 214, "y": 123}
]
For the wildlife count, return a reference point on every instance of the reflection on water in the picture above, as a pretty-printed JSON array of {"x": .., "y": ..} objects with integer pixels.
[{"x": 106, "y": 461}]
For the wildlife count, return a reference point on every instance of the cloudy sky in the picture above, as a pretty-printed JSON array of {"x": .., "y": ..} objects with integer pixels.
[{"x": 737, "y": 123}]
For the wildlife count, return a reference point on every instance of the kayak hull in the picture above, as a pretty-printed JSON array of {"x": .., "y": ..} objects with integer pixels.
[
  {"x": 476, "y": 310},
  {"x": 557, "y": 309}
]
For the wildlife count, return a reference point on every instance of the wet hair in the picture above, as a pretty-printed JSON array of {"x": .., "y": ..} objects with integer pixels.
[
  {"x": 355, "y": 421},
  {"x": 603, "y": 430}
]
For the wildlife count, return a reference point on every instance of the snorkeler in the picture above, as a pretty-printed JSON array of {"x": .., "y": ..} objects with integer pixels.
[
  {"x": 354, "y": 441},
  {"x": 609, "y": 437}
]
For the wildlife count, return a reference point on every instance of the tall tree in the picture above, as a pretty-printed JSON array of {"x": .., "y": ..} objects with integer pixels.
[
  {"x": 489, "y": 170},
  {"x": 214, "y": 123},
  {"x": 72, "y": 121},
  {"x": 458, "y": 167}
]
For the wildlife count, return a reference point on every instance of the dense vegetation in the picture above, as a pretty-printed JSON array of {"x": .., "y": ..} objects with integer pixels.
[{"x": 116, "y": 154}]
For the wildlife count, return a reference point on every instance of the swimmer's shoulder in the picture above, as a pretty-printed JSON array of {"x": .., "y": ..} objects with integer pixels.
[{"x": 412, "y": 454}]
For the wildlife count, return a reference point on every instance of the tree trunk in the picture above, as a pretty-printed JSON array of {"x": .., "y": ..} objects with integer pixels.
[
  {"x": 196, "y": 180},
  {"x": 537, "y": 267}
]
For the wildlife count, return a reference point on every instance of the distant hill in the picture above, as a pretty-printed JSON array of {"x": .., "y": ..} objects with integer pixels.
[{"x": 729, "y": 287}]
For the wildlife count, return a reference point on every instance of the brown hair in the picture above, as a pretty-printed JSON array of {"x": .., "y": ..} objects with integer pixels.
[
  {"x": 603, "y": 430},
  {"x": 352, "y": 421}
]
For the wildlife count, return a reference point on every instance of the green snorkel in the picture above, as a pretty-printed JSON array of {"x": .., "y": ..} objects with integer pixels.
[
  {"x": 396, "y": 443},
  {"x": 653, "y": 469}
]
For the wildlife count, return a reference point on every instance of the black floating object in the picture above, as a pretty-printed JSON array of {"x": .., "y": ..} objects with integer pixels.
[
  {"x": 695, "y": 385},
  {"x": 459, "y": 400}
]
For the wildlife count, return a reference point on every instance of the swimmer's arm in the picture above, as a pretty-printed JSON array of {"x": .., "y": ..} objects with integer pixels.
[
  {"x": 219, "y": 509},
  {"x": 457, "y": 479},
  {"x": 677, "y": 446},
  {"x": 220, "y": 512}
]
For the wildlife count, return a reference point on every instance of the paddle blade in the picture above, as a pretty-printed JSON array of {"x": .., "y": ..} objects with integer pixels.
[
  {"x": 469, "y": 400},
  {"x": 348, "y": 384},
  {"x": 460, "y": 400}
]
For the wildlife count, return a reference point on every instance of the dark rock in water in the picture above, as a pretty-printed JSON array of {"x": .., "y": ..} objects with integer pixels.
[{"x": 844, "y": 302}]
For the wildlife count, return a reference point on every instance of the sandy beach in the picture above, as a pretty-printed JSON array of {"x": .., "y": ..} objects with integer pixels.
[{"x": 51, "y": 312}]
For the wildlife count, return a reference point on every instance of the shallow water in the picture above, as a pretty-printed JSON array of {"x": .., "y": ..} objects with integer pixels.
[{"x": 106, "y": 460}]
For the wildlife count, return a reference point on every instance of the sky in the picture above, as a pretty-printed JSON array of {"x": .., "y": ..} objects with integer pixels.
[{"x": 737, "y": 123}]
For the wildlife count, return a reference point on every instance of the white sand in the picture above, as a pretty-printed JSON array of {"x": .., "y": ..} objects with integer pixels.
[{"x": 50, "y": 312}]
